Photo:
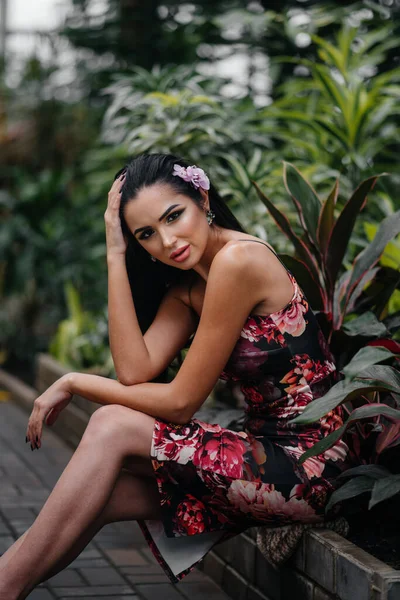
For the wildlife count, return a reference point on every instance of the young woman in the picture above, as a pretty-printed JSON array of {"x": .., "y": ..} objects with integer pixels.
[{"x": 180, "y": 265}]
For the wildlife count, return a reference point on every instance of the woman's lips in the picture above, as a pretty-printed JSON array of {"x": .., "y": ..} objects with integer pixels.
[{"x": 183, "y": 255}]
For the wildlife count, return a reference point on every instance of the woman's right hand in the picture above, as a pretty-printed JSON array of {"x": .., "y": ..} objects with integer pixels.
[{"x": 116, "y": 243}]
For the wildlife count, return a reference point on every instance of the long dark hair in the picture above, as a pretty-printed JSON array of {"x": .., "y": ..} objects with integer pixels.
[{"x": 150, "y": 280}]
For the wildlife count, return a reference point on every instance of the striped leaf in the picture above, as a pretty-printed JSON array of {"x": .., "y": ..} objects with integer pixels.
[
  {"x": 283, "y": 223},
  {"x": 343, "y": 227},
  {"x": 307, "y": 203}
]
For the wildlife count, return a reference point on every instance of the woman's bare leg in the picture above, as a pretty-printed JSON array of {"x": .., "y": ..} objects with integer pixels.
[
  {"x": 78, "y": 498},
  {"x": 134, "y": 497}
]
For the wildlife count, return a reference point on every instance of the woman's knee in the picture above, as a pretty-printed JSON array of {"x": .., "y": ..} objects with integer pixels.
[{"x": 124, "y": 425}]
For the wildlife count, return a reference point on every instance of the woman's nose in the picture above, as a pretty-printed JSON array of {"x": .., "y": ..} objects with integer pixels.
[{"x": 168, "y": 239}]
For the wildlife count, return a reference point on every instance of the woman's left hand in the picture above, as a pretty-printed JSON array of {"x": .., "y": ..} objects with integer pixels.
[{"x": 46, "y": 408}]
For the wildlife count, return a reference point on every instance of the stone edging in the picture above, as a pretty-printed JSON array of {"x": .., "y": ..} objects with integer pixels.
[{"x": 325, "y": 566}]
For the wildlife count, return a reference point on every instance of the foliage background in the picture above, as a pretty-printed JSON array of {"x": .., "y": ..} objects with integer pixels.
[{"x": 237, "y": 87}]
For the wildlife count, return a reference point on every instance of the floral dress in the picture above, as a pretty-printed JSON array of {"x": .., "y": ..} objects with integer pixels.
[{"x": 214, "y": 482}]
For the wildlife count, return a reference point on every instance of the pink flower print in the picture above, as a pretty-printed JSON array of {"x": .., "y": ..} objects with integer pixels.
[
  {"x": 298, "y": 509},
  {"x": 256, "y": 329},
  {"x": 242, "y": 494},
  {"x": 260, "y": 499},
  {"x": 222, "y": 454},
  {"x": 258, "y": 451},
  {"x": 338, "y": 452},
  {"x": 293, "y": 405},
  {"x": 213, "y": 480},
  {"x": 291, "y": 319},
  {"x": 312, "y": 466},
  {"x": 189, "y": 517},
  {"x": 174, "y": 443},
  {"x": 315, "y": 495},
  {"x": 252, "y": 395},
  {"x": 263, "y": 501},
  {"x": 211, "y": 427},
  {"x": 306, "y": 366},
  {"x": 297, "y": 382}
]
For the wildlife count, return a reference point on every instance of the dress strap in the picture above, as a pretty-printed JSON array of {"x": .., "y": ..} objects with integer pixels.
[{"x": 269, "y": 248}]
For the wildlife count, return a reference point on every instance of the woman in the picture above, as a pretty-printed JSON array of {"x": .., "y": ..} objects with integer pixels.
[{"x": 144, "y": 456}]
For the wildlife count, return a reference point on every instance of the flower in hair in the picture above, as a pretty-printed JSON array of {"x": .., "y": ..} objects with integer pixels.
[{"x": 194, "y": 175}]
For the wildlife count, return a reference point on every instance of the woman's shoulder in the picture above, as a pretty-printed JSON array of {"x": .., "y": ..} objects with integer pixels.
[{"x": 248, "y": 252}]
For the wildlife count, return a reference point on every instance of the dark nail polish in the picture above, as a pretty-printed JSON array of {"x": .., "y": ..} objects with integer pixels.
[
  {"x": 37, "y": 439},
  {"x": 26, "y": 439}
]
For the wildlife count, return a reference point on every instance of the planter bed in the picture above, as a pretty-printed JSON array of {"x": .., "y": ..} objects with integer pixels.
[{"x": 324, "y": 567}]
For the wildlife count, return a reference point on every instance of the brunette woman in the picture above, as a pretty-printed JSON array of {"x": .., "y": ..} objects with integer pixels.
[{"x": 181, "y": 269}]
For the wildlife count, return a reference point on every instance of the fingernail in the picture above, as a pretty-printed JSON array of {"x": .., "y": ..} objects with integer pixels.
[
  {"x": 26, "y": 439},
  {"x": 37, "y": 439}
]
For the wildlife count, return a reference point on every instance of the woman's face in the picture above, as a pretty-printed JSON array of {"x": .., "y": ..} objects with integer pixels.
[{"x": 164, "y": 221}]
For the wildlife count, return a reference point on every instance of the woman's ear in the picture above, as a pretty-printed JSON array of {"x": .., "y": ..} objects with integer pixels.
[{"x": 205, "y": 199}]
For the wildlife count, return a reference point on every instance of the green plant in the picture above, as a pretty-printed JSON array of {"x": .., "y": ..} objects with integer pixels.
[
  {"x": 81, "y": 341},
  {"x": 352, "y": 305},
  {"x": 342, "y": 112}
]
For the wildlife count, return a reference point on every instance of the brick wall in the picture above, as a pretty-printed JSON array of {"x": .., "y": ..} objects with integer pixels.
[{"x": 324, "y": 567}]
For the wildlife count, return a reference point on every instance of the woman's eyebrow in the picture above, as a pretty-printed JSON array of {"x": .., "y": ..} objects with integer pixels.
[{"x": 165, "y": 213}]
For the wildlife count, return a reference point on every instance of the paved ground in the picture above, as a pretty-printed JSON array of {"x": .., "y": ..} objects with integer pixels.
[{"x": 117, "y": 564}]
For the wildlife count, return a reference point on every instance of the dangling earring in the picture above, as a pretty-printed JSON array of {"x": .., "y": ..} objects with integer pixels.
[
  {"x": 153, "y": 259},
  {"x": 210, "y": 216}
]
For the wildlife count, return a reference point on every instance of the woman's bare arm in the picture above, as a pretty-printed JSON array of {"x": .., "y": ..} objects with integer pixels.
[
  {"x": 233, "y": 288},
  {"x": 139, "y": 358},
  {"x": 129, "y": 351}
]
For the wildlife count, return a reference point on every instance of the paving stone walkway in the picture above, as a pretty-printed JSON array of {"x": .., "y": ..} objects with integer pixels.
[{"x": 117, "y": 564}]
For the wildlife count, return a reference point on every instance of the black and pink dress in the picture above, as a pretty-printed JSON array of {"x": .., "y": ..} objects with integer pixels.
[{"x": 215, "y": 483}]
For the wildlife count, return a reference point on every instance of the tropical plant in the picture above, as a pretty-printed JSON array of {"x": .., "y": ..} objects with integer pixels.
[
  {"x": 81, "y": 340},
  {"x": 351, "y": 297},
  {"x": 342, "y": 112},
  {"x": 324, "y": 247},
  {"x": 52, "y": 231}
]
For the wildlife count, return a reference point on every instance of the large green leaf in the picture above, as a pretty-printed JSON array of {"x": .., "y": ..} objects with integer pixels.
[
  {"x": 326, "y": 218},
  {"x": 351, "y": 488},
  {"x": 386, "y": 379},
  {"x": 367, "y": 356},
  {"x": 364, "y": 412},
  {"x": 283, "y": 222},
  {"x": 340, "y": 236},
  {"x": 367, "y": 325},
  {"x": 305, "y": 199},
  {"x": 348, "y": 305},
  {"x": 384, "y": 489},
  {"x": 389, "y": 228},
  {"x": 374, "y": 471},
  {"x": 392, "y": 322},
  {"x": 389, "y": 375},
  {"x": 391, "y": 254},
  {"x": 314, "y": 293}
]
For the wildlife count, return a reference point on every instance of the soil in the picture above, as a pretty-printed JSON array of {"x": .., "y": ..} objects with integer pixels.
[{"x": 380, "y": 538}]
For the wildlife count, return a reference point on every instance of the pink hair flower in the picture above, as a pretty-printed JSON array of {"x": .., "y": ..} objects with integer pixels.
[{"x": 193, "y": 175}]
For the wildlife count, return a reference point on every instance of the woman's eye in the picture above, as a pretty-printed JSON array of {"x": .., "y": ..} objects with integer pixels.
[
  {"x": 175, "y": 215},
  {"x": 146, "y": 234}
]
